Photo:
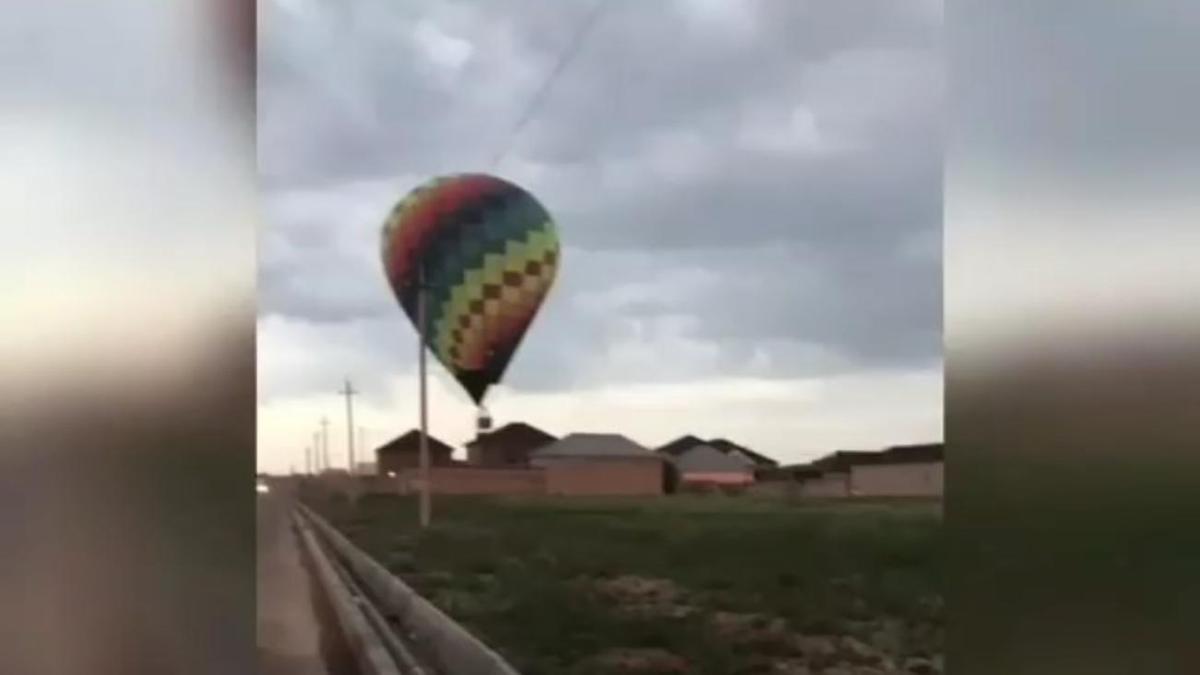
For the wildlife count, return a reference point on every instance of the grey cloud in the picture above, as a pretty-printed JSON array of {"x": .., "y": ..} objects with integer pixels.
[
  {"x": 645, "y": 70},
  {"x": 1032, "y": 85},
  {"x": 743, "y": 259},
  {"x": 747, "y": 199}
]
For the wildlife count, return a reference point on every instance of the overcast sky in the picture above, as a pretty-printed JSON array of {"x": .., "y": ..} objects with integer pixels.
[{"x": 749, "y": 196}]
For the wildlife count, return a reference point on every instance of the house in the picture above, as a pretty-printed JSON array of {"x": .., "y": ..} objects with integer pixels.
[
  {"x": 760, "y": 462},
  {"x": 403, "y": 452},
  {"x": 795, "y": 473},
  {"x": 748, "y": 458},
  {"x": 784, "y": 481},
  {"x": 684, "y": 443},
  {"x": 705, "y": 465},
  {"x": 508, "y": 446},
  {"x": 679, "y": 446},
  {"x": 829, "y": 476},
  {"x": 900, "y": 471},
  {"x": 599, "y": 464}
]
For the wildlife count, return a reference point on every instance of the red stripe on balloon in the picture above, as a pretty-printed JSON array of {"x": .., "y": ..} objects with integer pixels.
[{"x": 425, "y": 218}]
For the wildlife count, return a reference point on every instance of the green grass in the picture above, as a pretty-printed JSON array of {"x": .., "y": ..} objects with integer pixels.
[{"x": 527, "y": 575}]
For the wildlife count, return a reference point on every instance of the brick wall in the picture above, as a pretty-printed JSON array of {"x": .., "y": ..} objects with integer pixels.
[
  {"x": 572, "y": 479},
  {"x": 719, "y": 478},
  {"x": 499, "y": 452},
  {"x": 637, "y": 477},
  {"x": 475, "y": 454},
  {"x": 829, "y": 485},
  {"x": 472, "y": 481},
  {"x": 398, "y": 461}
]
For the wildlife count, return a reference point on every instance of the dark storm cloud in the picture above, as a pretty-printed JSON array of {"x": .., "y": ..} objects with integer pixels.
[{"x": 751, "y": 188}]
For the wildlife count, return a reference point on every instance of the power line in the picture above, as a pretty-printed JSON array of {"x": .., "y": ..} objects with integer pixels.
[{"x": 565, "y": 58}]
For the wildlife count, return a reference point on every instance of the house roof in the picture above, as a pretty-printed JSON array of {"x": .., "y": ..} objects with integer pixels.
[
  {"x": 842, "y": 460},
  {"x": 517, "y": 433},
  {"x": 725, "y": 445},
  {"x": 410, "y": 441},
  {"x": 707, "y": 459},
  {"x": 685, "y": 443},
  {"x": 593, "y": 446},
  {"x": 680, "y": 445},
  {"x": 919, "y": 453}
]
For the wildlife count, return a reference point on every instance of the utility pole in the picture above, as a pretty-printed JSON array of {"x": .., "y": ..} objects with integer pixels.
[
  {"x": 325, "y": 442},
  {"x": 308, "y": 465},
  {"x": 317, "y": 451},
  {"x": 422, "y": 320},
  {"x": 349, "y": 392},
  {"x": 362, "y": 442}
]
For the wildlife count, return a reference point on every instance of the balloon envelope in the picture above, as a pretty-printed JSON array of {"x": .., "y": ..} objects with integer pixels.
[{"x": 488, "y": 253}]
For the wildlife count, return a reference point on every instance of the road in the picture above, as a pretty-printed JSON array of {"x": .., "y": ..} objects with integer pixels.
[{"x": 295, "y": 628}]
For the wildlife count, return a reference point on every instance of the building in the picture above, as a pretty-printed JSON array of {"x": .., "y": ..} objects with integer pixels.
[
  {"x": 509, "y": 446},
  {"x": 705, "y": 465},
  {"x": 784, "y": 481},
  {"x": 757, "y": 464},
  {"x": 684, "y": 444},
  {"x": 900, "y": 471},
  {"x": 679, "y": 446},
  {"x": 831, "y": 474},
  {"x": 404, "y": 452},
  {"x": 760, "y": 462},
  {"x": 599, "y": 464}
]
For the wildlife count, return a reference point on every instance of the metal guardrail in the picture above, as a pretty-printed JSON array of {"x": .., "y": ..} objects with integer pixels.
[
  {"x": 452, "y": 649},
  {"x": 369, "y": 651}
]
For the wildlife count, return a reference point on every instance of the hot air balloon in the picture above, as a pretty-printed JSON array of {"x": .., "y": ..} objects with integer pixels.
[{"x": 485, "y": 252}]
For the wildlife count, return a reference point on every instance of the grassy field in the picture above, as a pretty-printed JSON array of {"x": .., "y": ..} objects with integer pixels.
[{"x": 713, "y": 586}]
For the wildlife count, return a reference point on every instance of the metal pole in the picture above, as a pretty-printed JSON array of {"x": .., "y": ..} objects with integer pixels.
[
  {"x": 325, "y": 442},
  {"x": 308, "y": 467},
  {"x": 421, "y": 322},
  {"x": 317, "y": 450},
  {"x": 349, "y": 392},
  {"x": 362, "y": 442}
]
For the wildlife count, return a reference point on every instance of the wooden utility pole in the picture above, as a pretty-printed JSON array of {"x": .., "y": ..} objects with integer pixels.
[{"x": 349, "y": 392}]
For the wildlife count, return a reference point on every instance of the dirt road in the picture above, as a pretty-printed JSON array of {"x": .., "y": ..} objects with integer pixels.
[{"x": 295, "y": 631}]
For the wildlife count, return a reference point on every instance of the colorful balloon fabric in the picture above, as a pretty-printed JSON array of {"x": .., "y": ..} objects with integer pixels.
[{"x": 488, "y": 252}]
